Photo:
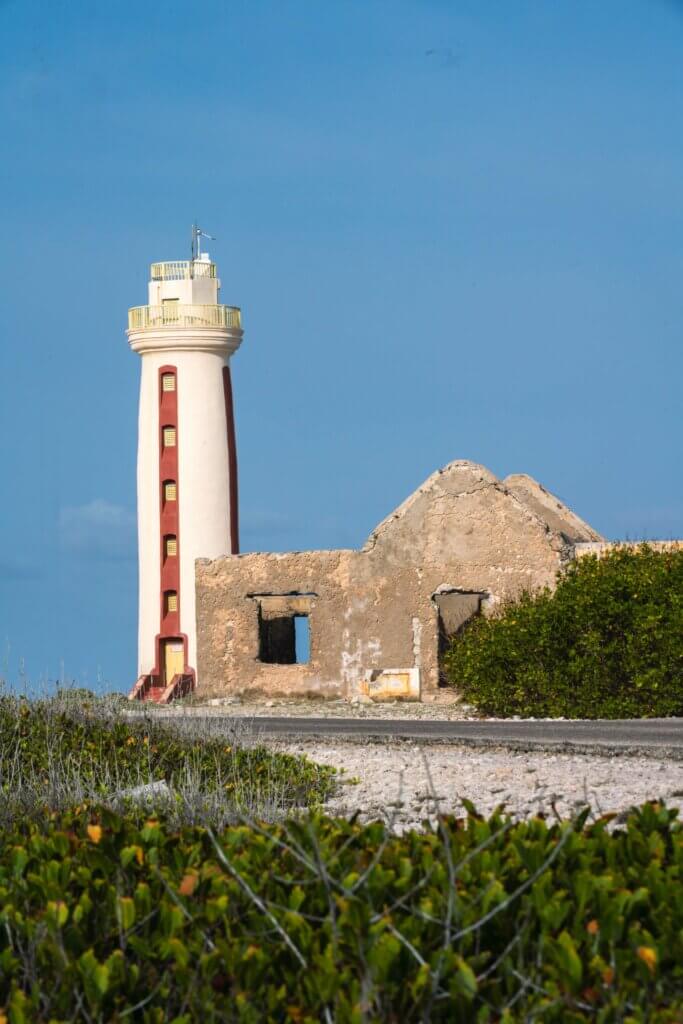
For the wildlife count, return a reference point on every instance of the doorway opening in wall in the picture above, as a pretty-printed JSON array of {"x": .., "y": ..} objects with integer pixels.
[{"x": 455, "y": 608}]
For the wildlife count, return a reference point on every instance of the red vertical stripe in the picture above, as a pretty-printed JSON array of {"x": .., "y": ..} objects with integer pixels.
[{"x": 169, "y": 624}]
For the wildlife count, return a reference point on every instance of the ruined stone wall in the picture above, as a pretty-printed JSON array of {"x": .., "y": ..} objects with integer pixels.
[
  {"x": 374, "y": 609},
  {"x": 228, "y": 619}
]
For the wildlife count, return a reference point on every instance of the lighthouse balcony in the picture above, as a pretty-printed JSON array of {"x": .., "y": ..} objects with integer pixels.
[{"x": 175, "y": 314}]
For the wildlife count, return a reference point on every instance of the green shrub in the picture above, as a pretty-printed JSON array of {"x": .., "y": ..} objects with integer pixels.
[
  {"x": 55, "y": 753},
  {"x": 106, "y": 919},
  {"x": 607, "y": 643}
]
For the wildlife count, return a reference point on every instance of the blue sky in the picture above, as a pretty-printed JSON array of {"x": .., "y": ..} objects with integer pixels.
[{"x": 454, "y": 229}]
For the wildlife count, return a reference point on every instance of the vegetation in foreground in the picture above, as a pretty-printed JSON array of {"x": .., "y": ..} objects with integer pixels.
[
  {"x": 210, "y": 903},
  {"x": 106, "y": 918},
  {"x": 607, "y": 643},
  {"x": 56, "y": 753}
]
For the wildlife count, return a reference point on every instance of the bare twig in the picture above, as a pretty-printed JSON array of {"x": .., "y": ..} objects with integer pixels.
[
  {"x": 519, "y": 890},
  {"x": 256, "y": 900}
]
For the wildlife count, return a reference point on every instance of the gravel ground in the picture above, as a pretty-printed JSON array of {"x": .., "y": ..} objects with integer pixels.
[
  {"x": 404, "y": 784},
  {"x": 446, "y": 707}
]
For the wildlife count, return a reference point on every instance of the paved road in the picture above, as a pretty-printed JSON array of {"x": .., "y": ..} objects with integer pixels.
[{"x": 658, "y": 736}]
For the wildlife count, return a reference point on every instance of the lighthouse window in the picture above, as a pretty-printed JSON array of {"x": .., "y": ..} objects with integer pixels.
[
  {"x": 168, "y": 382},
  {"x": 171, "y": 547},
  {"x": 171, "y": 601},
  {"x": 170, "y": 490},
  {"x": 169, "y": 437}
]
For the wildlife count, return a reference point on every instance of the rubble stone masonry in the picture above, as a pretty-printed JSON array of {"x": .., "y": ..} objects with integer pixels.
[{"x": 381, "y": 613}]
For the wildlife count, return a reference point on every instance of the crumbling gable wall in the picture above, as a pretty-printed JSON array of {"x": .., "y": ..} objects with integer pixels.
[
  {"x": 377, "y": 609},
  {"x": 550, "y": 509}
]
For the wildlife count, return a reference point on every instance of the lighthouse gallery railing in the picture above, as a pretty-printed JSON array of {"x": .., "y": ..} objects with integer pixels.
[
  {"x": 175, "y": 314},
  {"x": 182, "y": 270}
]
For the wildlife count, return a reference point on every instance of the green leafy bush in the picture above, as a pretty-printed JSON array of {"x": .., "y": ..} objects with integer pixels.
[
  {"x": 106, "y": 919},
  {"x": 607, "y": 643},
  {"x": 54, "y": 753}
]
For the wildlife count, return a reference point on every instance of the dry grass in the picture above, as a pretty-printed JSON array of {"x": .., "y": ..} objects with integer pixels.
[{"x": 60, "y": 752}]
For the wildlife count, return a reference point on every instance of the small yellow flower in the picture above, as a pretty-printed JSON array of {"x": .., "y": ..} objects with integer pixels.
[
  {"x": 648, "y": 956},
  {"x": 95, "y": 833}
]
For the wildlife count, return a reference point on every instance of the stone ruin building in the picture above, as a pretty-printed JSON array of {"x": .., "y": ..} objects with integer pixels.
[{"x": 379, "y": 618}]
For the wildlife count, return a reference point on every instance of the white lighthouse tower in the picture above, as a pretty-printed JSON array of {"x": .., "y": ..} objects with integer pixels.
[{"x": 187, "y": 460}]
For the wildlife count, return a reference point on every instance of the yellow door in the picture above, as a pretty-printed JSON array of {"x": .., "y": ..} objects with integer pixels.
[{"x": 174, "y": 660}]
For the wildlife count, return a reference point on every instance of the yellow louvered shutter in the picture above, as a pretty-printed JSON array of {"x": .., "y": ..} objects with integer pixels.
[
  {"x": 168, "y": 382},
  {"x": 172, "y": 602},
  {"x": 171, "y": 547},
  {"x": 169, "y": 437},
  {"x": 170, "y": 491}
]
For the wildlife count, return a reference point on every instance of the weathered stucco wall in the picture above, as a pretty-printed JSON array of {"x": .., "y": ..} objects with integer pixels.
[{"x": 374, "y": 609}]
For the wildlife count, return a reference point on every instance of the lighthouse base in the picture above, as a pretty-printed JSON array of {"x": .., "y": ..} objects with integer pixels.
[{"x": 150, "y": 688}]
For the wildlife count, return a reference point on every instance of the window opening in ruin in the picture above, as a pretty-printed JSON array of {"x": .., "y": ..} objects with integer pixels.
[
  {"x": 283, "y": 628},
  {"x": 284, "y": 639}
]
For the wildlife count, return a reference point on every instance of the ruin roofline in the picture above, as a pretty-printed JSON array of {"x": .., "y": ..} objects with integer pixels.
[
  {"x": 246, "y": 555},
  {"x": 539, "y": 503},
  {"x": 457, "y": 479}
]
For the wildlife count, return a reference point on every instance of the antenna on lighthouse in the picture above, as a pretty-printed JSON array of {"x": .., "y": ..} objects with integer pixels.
[{"x": 197, "y": 233}]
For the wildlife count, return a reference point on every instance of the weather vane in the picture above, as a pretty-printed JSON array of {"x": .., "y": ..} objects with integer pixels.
[{"x": 197, "y": 233}]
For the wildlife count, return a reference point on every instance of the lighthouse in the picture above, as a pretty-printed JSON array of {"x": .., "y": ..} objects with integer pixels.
[{"x": 187, "y": 460}]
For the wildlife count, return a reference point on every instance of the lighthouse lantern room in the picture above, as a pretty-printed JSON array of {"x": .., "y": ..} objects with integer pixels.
[{"x": 187, "y": 460}]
